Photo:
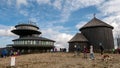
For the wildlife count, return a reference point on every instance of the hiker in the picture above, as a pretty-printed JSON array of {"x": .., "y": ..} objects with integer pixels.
[
  {"x": 75, "y": 49},
  {"x": 78, "y": 50},
  {"x": 113, "y": 51},
  {"x": 85, "y": 50},
  {"x": 91, "y": 53},
  {"x": 11, "y": 52},
  {"x": 4, "y": 53},
  {"x": 101, "y": 49},
  {"x": 118, "y": 50},
  {"x": 55, "y": 49}
]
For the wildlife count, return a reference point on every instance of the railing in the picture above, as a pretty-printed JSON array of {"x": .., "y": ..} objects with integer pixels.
[{"x": 27, "y": 27}]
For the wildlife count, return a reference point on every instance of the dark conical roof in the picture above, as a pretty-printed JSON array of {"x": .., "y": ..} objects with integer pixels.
[
  {"x": 96, "y": 23},
  {"x": 79, "y": 37}
]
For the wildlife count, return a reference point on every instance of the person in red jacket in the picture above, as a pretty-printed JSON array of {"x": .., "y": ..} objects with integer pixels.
[{"x": 85, "y": 50}]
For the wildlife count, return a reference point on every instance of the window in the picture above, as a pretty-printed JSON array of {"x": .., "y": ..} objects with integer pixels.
[
  {"x": 47, "y": 42},
  {"x": 51, "y": 43},
  {"x": 14, "y": 42},
  {"x": 40, "y": 42},
  {"x": 25, "y": 42},
  {"x": 37, "y": 42},
  {"x": 31, "y": 42},
  {"x": 34, "y": 42},
  {"x": 28, "y": 42},
  {"x": 21, "y": 42}
]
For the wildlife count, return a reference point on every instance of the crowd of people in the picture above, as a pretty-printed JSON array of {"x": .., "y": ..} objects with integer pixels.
[
  {"x": 5, "y": 53},
  {"x": 85, "y": 51},
  {"x": 91, "y": 52}
]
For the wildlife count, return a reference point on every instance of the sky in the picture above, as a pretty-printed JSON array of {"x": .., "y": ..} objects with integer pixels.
[{"x": 58, "y": 20}]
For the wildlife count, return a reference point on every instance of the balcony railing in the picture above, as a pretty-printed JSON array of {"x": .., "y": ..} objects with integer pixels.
[{"x": 27, "y": 27}]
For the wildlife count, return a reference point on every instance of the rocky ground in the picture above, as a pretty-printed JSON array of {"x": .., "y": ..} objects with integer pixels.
[{"x": 61, "y": 60}]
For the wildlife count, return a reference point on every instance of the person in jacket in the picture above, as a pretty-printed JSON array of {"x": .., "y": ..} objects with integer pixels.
[
  {"x": 85, "y": 50},
  {"x": 91, "y": 52}
]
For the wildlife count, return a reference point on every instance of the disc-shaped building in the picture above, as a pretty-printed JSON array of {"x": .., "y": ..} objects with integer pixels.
[
  {"x": 30, "y": 40},
  {"x": 96, "y": 33}
]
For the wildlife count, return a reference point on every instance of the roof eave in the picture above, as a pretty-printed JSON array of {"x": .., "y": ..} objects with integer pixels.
[
  {"x": 96, "y": 26},
  {"x": 77, "y": 41}
]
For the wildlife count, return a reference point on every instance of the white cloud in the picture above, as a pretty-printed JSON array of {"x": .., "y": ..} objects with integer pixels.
[
  {"x": 60, "y": 37},
  {"x": 9, "y": 2},
  {"x": 66, "y": 7},
  {"x": 21, "y": 2},
  {"x": 73, "y": 5},
  {"x": 81, "y": 24},
  {"x": 110, "y": 7},
  {"x": 77, "y": 4},
  {"x": 43, "y": 2},
  {"x": 6, "y": 36},
  {"x": 5, "y": 40},
  {"x": 6, "y": 30},
  {"x": 25, "y": 13},
  {"x": 33, "y": 20},
  {"x": 58, "y": 4}
]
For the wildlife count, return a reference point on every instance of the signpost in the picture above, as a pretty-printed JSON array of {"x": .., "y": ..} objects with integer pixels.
[{"x": 12, "y": 63}]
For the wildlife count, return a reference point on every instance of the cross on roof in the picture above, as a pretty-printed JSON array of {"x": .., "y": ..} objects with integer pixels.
[{"x": 94, "y": 15}]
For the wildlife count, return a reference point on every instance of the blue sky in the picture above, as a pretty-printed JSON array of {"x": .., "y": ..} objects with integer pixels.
[{"x": 58, "y": 19}]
